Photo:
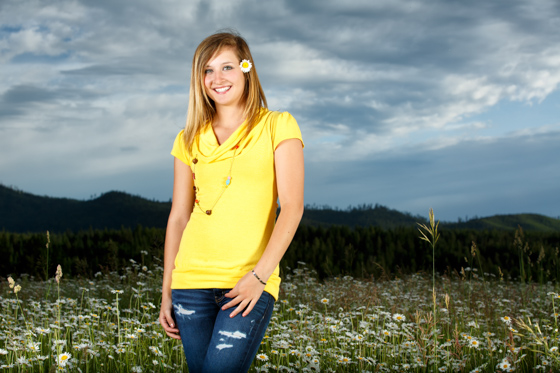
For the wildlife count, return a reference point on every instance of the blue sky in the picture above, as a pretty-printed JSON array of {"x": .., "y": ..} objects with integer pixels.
[{"x": 409, "y": 104}]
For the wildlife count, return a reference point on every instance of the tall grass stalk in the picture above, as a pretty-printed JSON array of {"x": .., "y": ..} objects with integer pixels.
[
  {"x": 57, "y": 277},
  {"x": 432, "y": 232},
  {"x": 47, "y": 259}
]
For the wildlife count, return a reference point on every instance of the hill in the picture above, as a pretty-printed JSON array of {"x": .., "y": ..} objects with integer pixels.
[
  {"x": 532, "y": 222},
  {"x": 360, "y": 216},
  {"x": 25, "y": 212}
]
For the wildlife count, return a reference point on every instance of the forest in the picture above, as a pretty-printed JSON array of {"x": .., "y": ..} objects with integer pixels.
[{"x": 361, "y": 252}]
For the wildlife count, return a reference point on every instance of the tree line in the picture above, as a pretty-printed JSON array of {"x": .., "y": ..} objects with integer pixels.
[{"x": 332, "y": 251}]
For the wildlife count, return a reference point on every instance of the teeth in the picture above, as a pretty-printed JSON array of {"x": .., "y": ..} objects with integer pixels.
[{"x": 221, "y": 90}]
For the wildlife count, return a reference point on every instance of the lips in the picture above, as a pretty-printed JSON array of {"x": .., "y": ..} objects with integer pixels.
[{"x": 222, "y": 89}]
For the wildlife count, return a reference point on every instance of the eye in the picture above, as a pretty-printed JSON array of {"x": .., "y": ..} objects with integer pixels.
[
  {"x": 207, "y": 71},
  {"x": 228, "y": 67}
]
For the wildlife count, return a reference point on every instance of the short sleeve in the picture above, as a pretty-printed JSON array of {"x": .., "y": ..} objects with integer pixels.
[
  {"x": 285, "y": 127},
  {"x": 179, "y": 150}
]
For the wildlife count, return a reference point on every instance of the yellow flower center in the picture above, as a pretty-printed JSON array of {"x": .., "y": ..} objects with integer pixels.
[{"x": 245, "y": 65}]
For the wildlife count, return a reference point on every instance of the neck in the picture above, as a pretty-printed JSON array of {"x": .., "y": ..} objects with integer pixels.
[{"x": 228, "y": 117}]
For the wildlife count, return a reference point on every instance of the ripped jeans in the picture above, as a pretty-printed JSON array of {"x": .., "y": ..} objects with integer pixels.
[{"x": 212, "y": 341}]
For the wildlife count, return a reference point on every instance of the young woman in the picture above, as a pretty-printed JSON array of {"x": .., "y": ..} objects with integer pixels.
[{"x": 233, "y": 161}]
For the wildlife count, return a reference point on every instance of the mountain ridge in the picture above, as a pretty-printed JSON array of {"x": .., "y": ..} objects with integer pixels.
[{"x": 25, "y": 212}]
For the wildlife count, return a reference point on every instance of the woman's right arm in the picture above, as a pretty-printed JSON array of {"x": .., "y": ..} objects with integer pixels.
[{"x": 181, "y": 208}]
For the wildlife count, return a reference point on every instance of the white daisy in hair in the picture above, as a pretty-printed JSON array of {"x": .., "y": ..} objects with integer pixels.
[{"x": 245, "y": 66}]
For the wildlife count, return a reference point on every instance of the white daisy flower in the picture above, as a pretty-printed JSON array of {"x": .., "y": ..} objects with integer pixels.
[
  {"x": 63, "y": 358},
  {"x": 245, "y": 66},
  {"x": 399, "y": 317},
  {"x": 262, "y": 357}
]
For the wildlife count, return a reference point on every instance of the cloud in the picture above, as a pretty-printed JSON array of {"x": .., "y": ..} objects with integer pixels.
[{"x": 100, "y": 89}]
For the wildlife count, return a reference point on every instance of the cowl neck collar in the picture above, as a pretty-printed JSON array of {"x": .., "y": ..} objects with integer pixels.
[{"x": 208, "y": 149}]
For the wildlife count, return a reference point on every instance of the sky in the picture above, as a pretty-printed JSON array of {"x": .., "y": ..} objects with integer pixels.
[{"x": 443, "y": 104}]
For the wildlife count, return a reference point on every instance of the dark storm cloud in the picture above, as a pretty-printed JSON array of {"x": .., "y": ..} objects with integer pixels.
[
  {"x": 26, "y": 94},
  {"x": 381, "y": 89}
]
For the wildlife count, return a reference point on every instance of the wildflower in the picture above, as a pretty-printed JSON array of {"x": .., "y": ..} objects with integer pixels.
[
  {"x": 11, "y": 282},
  {"x": 504, "y": 365},
  {"x": 17, "y": 288},
  {"x": 245, "y": 66},
  {"x": 474, "y": 343},
  {"x": 442, "y": 369},
  {"x": 554, "y": 349},
  {"x": 344, "y": 360},
  {"x": 156, "y": 351},
  {"x": 358, "y": 337},
  {"x": 58, "y": 274},
  {"x": 64, "y": 357},
  {"x": 3, "y": 352},
  {"x": 117, "y": 291},
  {"x": 262, "y": 357},
  {"x": 22, "y": 361},
  {"x": 386, "y": 333},
  {"x": 325, "y": 301},
  {"x": 136, "y": 369},
  {"x": 473, "y": 324},
  {"x": 34, "y": 346},
  {"x": 295, "y": 353},
  {"x": 507, "y": 320},
  {"x": 399, "y": 317}
]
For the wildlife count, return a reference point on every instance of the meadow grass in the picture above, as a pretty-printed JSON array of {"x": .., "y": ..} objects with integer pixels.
[{"x": 110, "y": 324}]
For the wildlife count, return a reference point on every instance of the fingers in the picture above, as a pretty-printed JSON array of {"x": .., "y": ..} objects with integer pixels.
[
  {"x": 240, "y": 308},
  {"x": 249, "y": 308},
  {"x": 174, "y": 336},
  {"x": 168, "y": 324}
]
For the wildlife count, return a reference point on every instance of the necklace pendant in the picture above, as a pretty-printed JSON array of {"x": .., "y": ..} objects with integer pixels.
[
  {"x": 208, "y": 212},
  {"x": 228, "y": 181}
]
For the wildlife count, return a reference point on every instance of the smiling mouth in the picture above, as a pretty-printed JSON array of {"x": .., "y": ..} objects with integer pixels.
[{"x": 222, "y": 90}]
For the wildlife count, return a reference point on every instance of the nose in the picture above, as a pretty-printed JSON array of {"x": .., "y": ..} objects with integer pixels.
[{"x": 218, "y": 76}]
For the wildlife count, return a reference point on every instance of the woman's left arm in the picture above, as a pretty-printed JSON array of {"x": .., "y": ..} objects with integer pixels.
[{"x": 288, "y": 163}]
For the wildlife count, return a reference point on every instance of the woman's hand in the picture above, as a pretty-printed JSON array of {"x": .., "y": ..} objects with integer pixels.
[
  {"x": 166, "y": 319},
  {"x": 245, "y": 294}
]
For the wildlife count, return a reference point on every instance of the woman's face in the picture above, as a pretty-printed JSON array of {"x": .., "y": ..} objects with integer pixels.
[{"x": 223, "y": 79}]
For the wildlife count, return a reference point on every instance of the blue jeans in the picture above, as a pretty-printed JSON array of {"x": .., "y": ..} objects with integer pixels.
[{"x": 212, "y": 341}]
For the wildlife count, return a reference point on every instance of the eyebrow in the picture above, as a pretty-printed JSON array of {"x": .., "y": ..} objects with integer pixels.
[{"x": 223, "y": 63}]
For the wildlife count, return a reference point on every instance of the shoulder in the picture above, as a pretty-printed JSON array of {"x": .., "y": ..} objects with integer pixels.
[
  {"x": 180, "y": 149},
  {"x": 283, "y": 126},
  {"x": 278, "y": 118}
]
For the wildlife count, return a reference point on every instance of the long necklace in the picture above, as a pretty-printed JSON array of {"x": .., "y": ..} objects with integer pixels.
[{"x": 226, "y": 185}]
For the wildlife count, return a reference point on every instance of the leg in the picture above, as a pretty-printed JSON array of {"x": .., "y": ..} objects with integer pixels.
[
  {"x": 195, "y": 312},
  {"x": 235, "y": 341}
]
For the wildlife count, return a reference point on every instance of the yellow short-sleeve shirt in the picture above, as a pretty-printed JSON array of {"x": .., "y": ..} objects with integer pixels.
[{"x": 217, "y": 250}]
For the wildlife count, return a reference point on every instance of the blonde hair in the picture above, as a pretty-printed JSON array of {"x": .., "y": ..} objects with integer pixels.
[{"x": 202, "y": 109}]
